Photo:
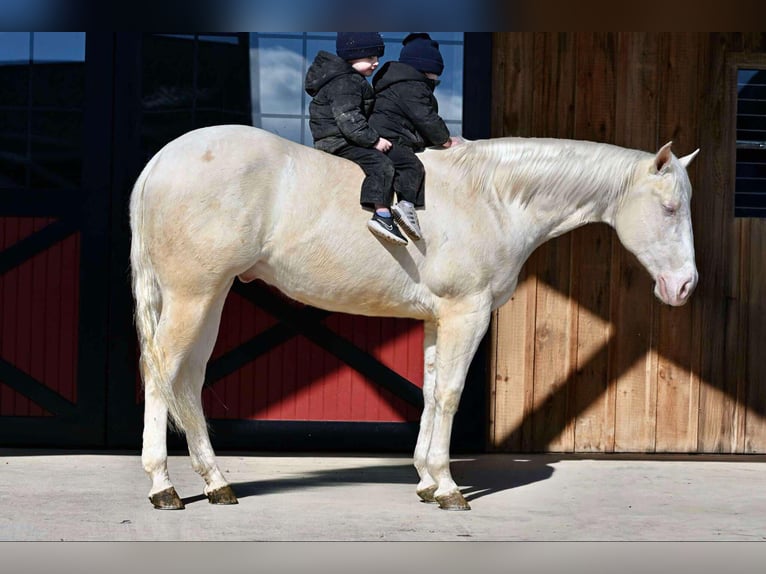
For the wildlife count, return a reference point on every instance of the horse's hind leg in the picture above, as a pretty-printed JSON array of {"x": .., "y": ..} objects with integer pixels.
[
  {"x": 185, "y": 337},
  {"x": 201, "y": 451},
  {"x": 427, "y": 485},
  {"x": 154, "y": 454}
]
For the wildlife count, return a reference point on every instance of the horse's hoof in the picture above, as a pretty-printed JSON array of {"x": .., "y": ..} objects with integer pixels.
[
  {"x": 223, "y": 495},
  {"x": 167, "y": 499},
  {"x": 453, "y": 501},
  {"x": 427, "y": 494}
]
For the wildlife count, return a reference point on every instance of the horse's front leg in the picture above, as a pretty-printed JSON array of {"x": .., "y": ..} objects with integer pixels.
[
  {"x": 459, "y": 332},
  {"x": 427, "y": 485}
]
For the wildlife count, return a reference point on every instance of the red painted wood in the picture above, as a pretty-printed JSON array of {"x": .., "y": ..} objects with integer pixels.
[
  {"x": 38, "y": 316},
  {"x": 8, "y": 341},
  {"x": 23, "y": 355}
]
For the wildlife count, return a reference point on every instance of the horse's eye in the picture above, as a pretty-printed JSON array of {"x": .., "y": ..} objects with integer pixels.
[{"x": 669, "y": 208}]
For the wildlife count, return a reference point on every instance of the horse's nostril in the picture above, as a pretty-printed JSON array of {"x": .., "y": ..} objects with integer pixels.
[{"x": 686, "y": 289}]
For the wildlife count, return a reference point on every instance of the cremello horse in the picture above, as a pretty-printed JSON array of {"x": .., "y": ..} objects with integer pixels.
[{"x": 229, "y": 202}]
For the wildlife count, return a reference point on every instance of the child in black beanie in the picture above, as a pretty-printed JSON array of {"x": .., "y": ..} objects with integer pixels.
[
  {"x": 342, "y": 102},
  {"x": 407, "y": 113}
]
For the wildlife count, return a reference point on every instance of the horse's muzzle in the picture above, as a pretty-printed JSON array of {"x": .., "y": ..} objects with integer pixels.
[{"x": 676, "y": 289}]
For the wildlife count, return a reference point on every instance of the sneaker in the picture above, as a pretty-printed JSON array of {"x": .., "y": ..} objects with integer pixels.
[
  {"x": 385, "y": 228},
  {"x": 405, "y": 215}
]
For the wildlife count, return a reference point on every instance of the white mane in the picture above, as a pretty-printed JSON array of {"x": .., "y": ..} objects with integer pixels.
[{"x": 532, "y": 169}]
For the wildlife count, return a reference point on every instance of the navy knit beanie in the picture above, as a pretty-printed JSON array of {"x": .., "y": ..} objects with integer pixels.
[
  {"x": 422, "y": 53},
  {"x": 355, "y": 45}
]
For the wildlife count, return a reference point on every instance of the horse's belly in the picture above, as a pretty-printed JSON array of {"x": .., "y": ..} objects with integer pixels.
[{"x": 372, "y": 294}]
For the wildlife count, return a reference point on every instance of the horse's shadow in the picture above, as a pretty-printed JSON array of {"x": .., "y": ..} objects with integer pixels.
[{"x": 478, "y": 477}]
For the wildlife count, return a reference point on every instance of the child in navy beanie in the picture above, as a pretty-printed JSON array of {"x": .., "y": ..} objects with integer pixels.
[
  {"x": 407, "y": 113},
  {"x": 342, "y": 102},
  {"x": 422, "y": 53}
]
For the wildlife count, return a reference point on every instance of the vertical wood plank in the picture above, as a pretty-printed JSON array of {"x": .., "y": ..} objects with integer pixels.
[
  {"x": 592, "y": 397},
  {"x": 713, "y": 218},
  {"x": 678, "y": 344},
  {"x": 553, "y": 117},
  {"x": 632, "y": 363},
  {"x": 755, "y": 425},
  {"x": 512, "y": 329}
]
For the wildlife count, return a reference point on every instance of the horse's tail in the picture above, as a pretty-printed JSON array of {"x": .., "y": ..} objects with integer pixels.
[{"x": 148, "y": 299}]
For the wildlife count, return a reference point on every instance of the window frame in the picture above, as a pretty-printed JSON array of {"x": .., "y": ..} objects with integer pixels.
[{"x": 740, "y": 61}]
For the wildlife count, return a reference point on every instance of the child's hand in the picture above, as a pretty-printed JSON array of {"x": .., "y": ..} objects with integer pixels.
[
  {"x": 382, "y": 145},
  {"x": 453, "y": 141}
]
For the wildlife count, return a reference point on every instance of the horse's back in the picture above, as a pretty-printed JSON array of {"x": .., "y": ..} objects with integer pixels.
[{"x": 231, "y": 201}]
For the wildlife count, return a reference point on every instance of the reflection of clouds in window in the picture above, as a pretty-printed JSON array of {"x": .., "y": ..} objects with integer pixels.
[
  {"x": 281, "y": 80},
  {"x": 450, "y": 105},
  {"x": 289, "y": 128}
]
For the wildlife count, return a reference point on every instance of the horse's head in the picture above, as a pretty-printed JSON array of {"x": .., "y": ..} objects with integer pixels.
[{"x": 654, "y": 223}]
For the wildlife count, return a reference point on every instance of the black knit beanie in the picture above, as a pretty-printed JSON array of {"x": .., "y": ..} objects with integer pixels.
[
  {"x": 422, "y": 53},
  {"x": 355, "y": 45}
]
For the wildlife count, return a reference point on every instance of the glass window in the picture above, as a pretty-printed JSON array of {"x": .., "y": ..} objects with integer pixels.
[
  {"x": 190, "y": 81},
  {"x": 42, "y": 88},
  {"x": 278, "y": 64},
  {"x": 750, "y": 182}
]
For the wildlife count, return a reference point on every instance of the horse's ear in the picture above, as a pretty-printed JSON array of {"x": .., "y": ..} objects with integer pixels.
[
  {"x": 663, "y": 157},
  {"x": 687, "y": 159}
]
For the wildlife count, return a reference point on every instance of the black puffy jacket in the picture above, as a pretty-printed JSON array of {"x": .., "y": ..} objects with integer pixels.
[
  {"x": 406, "y": 111},
  {"x": 342, "y": 102}
]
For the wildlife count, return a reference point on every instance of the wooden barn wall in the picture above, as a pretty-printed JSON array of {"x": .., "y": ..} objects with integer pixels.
[{"x": 584, "y": 358}]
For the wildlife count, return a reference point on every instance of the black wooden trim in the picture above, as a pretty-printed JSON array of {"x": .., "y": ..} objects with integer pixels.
[
  {"x": 34, "y": 390},
  {"x": 50, "y": 432},
  {"x": 124, "y": 417},
  {"x": 38, "y": 203},
  {"x": 318, "y": 436},
  {"x": 92, "y": 348},
  {"x": 320, "y": 335},
  {"x": 284, "y": 436},
  {"x": 477, "y": 85},
  {"x": 38, "y": 242}
]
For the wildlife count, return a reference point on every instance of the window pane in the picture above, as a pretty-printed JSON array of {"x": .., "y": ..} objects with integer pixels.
[
  {"x": 42, "y": 87},
  {"x": 58, "y": 46},
  {"x": 58, "y": 84},
  {"x": 449, "y": 93},
  {"x": 13, "y": 146},
  {"x": 750, "y": 182},
  {"x": 223, "y": 75},
  {"x": 14, "y": 84},
  {"x": 56, "y": 149},
  {"x": 14, "y": 47},
  {"x": 280, "y": 66},
  {"x": 289, "y": 128},
  {"x": 168, "y": 72}
]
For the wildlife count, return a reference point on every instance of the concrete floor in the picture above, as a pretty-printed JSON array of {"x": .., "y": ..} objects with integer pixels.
[{"x": 95, "y": 496}]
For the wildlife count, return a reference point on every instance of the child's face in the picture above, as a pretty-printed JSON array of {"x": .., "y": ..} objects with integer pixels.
[{"x": 365, "y": 66}]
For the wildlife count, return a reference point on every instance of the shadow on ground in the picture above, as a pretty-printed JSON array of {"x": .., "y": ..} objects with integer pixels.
[{"x": 479, "y": 477}]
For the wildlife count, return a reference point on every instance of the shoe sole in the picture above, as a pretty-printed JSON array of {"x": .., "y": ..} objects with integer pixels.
[
  {"x": 405, "y": 224},
  {"x": 378, "y": 232}
]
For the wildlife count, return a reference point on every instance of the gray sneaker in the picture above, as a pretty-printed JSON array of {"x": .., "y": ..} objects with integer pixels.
[
  {"x": 386, "y": 229},
  {"x": 406, "y": 217}
]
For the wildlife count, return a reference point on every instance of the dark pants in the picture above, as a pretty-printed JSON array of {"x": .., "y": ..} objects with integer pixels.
[{"x": 397, "y": 171}]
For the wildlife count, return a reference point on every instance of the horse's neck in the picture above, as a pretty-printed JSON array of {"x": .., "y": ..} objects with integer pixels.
[{"x": 565, "y": 183}]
